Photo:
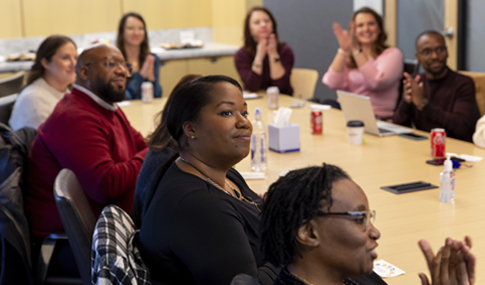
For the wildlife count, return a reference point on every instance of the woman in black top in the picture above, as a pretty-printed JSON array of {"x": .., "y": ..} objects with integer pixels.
[
  {"x": 162, "y": 148},
  {"x": 202, "y": 223},
  {"x": 317, "y": 222}
]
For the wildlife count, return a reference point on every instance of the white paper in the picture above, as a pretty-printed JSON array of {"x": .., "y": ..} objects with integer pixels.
[
  {"x": 320, "y": 107},
  {"x": 247, "y": 95},
  {"x": 252, "y": 175},
  {"x": 124, "y": 103},
  {"x": 386, "y": 270},
  {"x": 470, "y": 158}
]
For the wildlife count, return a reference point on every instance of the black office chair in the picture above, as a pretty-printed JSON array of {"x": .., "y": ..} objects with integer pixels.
[
  {"x": 78, "y": 219},
  {"x": 411, "y": 66},
  {"x": 12, "y": 84},
  {"x": 6, "y": 106}
]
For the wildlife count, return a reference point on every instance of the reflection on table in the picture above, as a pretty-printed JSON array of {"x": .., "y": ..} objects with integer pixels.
[{"x": 380, "y": 161}]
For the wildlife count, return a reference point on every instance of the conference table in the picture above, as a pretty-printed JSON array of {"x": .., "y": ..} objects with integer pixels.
[{"x": 380, "y": 161}]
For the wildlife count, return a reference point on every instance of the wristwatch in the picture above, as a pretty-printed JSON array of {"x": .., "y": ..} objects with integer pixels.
[{"x": 423, "y": 102}]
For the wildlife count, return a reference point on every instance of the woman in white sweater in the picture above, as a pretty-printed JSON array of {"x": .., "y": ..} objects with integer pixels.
[{"x": 52, "y": 73}]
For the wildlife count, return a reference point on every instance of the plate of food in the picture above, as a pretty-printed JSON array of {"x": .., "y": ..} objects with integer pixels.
[
  {"x": 21, "y": 56},
  {"x": 182, "y": 45}
]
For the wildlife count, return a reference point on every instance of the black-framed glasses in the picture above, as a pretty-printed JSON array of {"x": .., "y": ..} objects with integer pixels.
[
  {"x": 112, "y": 62},
  {"x": 361, "y": 217},
  {"x": 428, "y": 51}
]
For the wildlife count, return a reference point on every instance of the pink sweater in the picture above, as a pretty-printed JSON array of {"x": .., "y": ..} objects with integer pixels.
[{"x": 378, "y": 78}]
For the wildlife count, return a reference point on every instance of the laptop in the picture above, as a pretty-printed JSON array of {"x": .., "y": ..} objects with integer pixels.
[{"x": 358, "y": 107}]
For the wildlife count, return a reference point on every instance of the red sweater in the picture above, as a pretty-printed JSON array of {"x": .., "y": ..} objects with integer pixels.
[
  {"x": 97, "y": 144},
  {"x": 254, "y": 82}
]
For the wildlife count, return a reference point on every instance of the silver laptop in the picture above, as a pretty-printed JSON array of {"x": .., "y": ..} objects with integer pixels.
[{"x": 357, "y": 107}]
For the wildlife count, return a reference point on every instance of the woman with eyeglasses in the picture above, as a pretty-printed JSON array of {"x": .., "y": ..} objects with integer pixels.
[
  {"x": 132, "y": 40},
  {"x": 48, "y": 80},
  {"x": 201, "y": 226},
  {"x": 317, "y": 223},
  {"x": 364, "y": 64}
]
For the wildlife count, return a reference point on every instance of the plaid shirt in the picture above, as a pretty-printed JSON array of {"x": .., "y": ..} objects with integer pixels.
[{"x": 115, "y": 259}]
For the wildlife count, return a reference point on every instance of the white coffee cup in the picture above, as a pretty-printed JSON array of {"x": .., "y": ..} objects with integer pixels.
[{"x": 355, "y": 132}]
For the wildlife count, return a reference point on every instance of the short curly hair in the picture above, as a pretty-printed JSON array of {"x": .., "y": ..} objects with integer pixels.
[{"x": 291, "y": 202}]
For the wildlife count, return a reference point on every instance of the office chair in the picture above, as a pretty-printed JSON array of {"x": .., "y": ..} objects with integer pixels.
[
  {"x": 12, "y": 84},
  {"x": 78, "y": 219},
  {"x": 479, "y": 80},
  {"x": 303, "y": 82},
  {"x": 6, "y": 105},
  {"x": 411, "y": 66}
]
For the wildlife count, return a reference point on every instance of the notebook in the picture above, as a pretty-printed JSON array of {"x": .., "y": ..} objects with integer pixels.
[{"x": 357, "y": 107}]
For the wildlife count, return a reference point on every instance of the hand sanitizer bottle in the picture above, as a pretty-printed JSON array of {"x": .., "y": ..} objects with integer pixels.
[
  {"x": 259, "y": 145},
  {"x": 447, "y": 180}
]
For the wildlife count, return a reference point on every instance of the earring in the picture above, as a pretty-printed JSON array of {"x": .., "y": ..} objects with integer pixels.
[{"x": 192, "y": 137}]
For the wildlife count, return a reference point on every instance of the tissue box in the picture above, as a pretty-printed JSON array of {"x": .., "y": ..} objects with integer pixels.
[{"x": 284, "y": 139}]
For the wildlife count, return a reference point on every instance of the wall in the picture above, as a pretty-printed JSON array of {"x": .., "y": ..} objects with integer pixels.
[
  {"x": 475, "y": 40},
  {"x": 414, "y": 17},
  {"x": 40, "y": 18},
  {"x": 307, "y": 27},
  {"x": 228, "y": 20}
]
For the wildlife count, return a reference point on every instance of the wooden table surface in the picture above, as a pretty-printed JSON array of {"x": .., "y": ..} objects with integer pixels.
[{"x": 380, "y": 161}]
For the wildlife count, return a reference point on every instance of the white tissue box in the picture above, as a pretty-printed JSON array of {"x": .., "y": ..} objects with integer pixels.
[{"x": 284, "y": 139}]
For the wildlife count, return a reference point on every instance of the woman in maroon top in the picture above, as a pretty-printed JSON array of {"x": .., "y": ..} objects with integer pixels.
[{"x": 264, "y": 61}]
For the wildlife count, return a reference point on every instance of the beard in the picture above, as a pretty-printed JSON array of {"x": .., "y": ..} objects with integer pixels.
[
  {"x": 108, "y": 91},
  {"x": 440, "y": 71}
]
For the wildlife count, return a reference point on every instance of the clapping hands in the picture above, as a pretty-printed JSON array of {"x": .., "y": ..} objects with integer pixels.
[
  {"x": 454, "y": 264},
  {"x": 146, "y": 70},
  {"x": 346, "y": 39}
]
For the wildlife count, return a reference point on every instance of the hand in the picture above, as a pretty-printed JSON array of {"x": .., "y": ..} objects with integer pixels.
[
  {"x": 354, "y": 43},
  {"x": 342, "y": 37},
  {"x": 146, "y": 70},
  {"x": 453, "y": 265},
  {"x": 261, "y": 49},
  {"x": 413, "y": 90},
  {"x": 272, "y": 47}
]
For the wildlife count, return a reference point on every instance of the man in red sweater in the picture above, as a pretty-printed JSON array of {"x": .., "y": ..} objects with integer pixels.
[
  {"x": 90, "y": 135},
  {"x": 440, "y": 97}
]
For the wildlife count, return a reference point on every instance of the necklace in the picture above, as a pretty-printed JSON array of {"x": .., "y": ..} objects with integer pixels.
[
  {"x": 301, "y": 279},
  {"x": 238, "y": 195}
]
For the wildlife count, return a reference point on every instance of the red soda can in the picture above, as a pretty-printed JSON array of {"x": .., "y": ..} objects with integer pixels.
[
  {"x": 317, "y": 122},
  {"x": 438, "y": 143}
]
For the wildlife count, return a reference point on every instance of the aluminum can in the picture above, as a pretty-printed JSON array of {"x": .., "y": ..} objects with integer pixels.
[
  {"x": 147, "y": 92},
  {"x": 273, "y": 92},
  {"x": 438, "y": 143},
  {"x": 316, "y": 121}
]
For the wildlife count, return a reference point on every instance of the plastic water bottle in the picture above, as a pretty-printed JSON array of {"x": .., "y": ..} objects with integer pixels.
[{"x": 259, "y": 145}]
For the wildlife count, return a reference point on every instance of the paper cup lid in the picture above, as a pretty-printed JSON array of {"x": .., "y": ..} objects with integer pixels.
[{"x": 355, "y": 123}]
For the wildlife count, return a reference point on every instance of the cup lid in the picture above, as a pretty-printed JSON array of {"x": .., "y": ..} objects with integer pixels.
[{"x": 355, "y": 123}]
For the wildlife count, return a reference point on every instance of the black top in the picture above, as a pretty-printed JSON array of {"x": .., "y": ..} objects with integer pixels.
[
  {"x": 195, "y": 233},
  {"x": 286, "y": 278},
  {"x": 147, "y": 181}
]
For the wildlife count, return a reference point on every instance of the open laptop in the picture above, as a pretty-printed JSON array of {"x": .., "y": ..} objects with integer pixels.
[{"x": 358, "y": 107}]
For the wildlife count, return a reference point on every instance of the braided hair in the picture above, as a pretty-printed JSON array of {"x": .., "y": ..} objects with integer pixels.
[{"x": 291, "y": 202}]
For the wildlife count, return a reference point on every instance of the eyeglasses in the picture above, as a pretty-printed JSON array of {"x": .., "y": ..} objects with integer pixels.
[
  {"x": 362, "y": 217},
  {"x": 428, "y": 52},
  {"x": 112, "y": 62}
]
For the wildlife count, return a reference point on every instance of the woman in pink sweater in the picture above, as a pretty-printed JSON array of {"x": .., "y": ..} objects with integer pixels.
[{"x": 364, "y": 64}]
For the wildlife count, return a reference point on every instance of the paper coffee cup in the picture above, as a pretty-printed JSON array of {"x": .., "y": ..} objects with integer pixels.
[{"x": 355, "y": 132}]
